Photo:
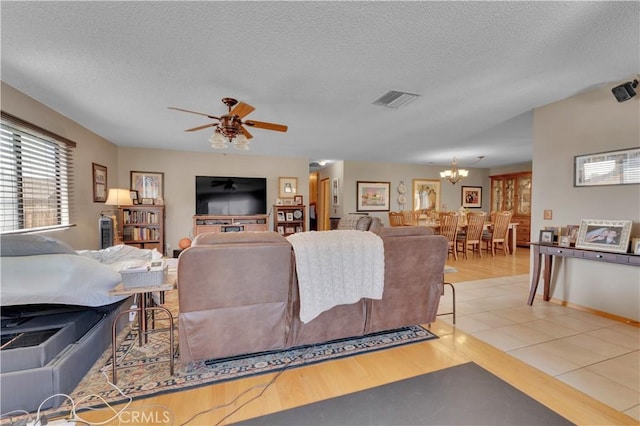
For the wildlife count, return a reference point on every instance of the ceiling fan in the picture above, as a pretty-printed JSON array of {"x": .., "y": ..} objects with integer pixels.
[{"x": 230, "y": 127}]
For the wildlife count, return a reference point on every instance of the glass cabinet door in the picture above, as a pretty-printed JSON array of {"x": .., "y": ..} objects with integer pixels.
[
  {"x": 523, "y": 205},
  {"x": 497, "y": 194},
  {"x": 509, "y": 193}
]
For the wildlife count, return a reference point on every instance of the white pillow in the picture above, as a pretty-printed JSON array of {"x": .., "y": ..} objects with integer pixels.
[{"x": 57, "y": 278}]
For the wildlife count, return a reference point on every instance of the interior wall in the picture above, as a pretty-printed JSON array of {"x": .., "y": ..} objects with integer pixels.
[
  {"x": 450, "y": 195},
  {"x": 587, "y": 123},
  {"x": 180, "y": 169},
  {"x": 90, "y": 148}
]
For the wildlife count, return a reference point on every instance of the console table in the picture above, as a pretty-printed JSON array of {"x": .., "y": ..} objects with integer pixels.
[{"x": 549, "y": 251}]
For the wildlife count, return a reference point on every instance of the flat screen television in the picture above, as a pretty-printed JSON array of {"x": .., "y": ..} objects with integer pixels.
[{"x": 235, "y": 196}]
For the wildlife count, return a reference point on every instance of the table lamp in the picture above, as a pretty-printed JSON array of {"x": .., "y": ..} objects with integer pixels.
[{"x": 118, "y": 197}]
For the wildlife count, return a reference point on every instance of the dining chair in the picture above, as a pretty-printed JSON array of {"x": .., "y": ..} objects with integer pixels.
[
  {"x": 396, "y": 219},
  {"x": 410, "y": 217},
  {"x": 472, "y": 237},
  {"x": 498, "y": 233},
  {"x": 449, "y": 229}
]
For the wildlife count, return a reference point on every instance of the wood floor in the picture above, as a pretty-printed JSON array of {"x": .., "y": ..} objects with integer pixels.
[{"x": 228, "y": 402}]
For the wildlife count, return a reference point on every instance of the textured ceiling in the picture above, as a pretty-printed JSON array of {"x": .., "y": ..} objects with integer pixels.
[{"x": 479, "y": 68}]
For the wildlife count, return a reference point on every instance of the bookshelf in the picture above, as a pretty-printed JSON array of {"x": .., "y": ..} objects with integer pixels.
[
  {"x": 289, "y": 219},
  {"x": 142, "y": 226}
]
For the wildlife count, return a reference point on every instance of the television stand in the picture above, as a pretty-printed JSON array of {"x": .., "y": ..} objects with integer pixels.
[{"x": 207, "y": 223}]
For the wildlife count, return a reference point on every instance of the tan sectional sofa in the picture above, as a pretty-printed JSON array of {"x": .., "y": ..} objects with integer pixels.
[{"x": 238, "y": 293}]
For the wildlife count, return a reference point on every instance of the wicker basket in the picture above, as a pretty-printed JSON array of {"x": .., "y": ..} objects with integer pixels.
[{"x": 132, "y": 279}]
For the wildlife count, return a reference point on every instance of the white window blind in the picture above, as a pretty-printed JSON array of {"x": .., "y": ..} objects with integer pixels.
[{"x": 35, "y": 177}]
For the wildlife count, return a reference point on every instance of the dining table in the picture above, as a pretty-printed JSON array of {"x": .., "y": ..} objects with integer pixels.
[{"x": 511, "y": 238}]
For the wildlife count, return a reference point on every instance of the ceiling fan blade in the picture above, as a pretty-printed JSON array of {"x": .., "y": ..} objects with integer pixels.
[
  {"x": 195, "y": 112},
  {"x": 193, "y": 129},
  {"x": 242, "y": 110},
  {"x": 268, "y": 126},
  {"x": 245, "y": 132}
]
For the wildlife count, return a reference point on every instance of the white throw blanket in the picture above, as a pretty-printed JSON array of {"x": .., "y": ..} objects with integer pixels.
[{"x": 337, "y": 267}]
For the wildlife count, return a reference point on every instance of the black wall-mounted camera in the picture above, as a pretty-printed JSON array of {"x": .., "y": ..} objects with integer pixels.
[{"x": 625, "y": 91}]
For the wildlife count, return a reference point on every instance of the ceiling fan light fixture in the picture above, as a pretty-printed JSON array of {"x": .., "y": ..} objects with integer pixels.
[
  {"x": 454, "y": 175},
  {"x": 241, "y": 142},
  {"x": 217, "y": 140}
]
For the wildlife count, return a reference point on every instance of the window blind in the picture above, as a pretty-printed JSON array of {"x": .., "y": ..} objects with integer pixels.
[{"x": 35, "y": 177}]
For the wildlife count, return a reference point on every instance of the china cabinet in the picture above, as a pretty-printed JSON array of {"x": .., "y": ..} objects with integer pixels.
[{"x": 513, "y": 192}]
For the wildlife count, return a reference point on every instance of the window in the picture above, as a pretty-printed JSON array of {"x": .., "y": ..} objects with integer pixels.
[{"x": 35, "y": 177}]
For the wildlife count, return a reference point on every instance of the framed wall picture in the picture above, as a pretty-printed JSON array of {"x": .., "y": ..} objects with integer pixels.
[
  {"x": 287, "y": 187},
  {"x": 604, "y": 235},
  {"x": 472, "y": 197},
  {"x": 372, "y": 196},
  {"x": 99, "y": 183},
  {"x": 297, "y": 200},
  {"x": 148, "y": 184},
  {"x": 426, "y": 194},
  {"x": 335, "y": 192},
  {"x": 607, "y": 168},
  {"x": 546, "y": 236}
]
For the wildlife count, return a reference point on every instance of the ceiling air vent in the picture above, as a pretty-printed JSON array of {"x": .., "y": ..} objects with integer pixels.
[{"x": 394, "y": 99}]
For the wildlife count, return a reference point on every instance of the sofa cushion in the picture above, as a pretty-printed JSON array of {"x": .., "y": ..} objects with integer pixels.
[
  {"x": 209, "y": 238},
  {"x": 364, "y": 223},
  {"x": 400, "y": 231},
  {"x": 32, "y": 244}
]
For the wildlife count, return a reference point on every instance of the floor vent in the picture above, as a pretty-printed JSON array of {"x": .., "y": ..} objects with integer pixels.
[{"x": 395, "y": 99}]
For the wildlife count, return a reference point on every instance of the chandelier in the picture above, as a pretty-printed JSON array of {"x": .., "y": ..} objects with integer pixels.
[{"x": 454, "y": 175}]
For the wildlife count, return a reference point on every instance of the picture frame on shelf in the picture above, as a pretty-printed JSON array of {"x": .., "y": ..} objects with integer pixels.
[
  {"x": 620, "y": 167},
  {"x": 280, "y": 216},
  {"x": 280, "y": 229},
  {"x": 279, "y": 202},
  {"x": 572, "y": 232},
  {"x": 289, "y": 216},
  {"x": 564, "y": 241},
  {"x": 635, "y": 245},
  {"x": 134, "y": 197},
  {"x": 604, "y": 235},
  {"x": 546, "y": 236},
  {"x": 146, "y": 201},
  {"x": 297, "y": 200},
  {"x": 148, "y": 184},
  {"x": 373, "y": 196},
  {"x": 288, "y": 202},
  {"x": 471, "y": 197},
  {"x": 426, "y": 194},
  {"x": 287, "y": 187},
  {"x": 290, "y": 230},
  {"x": 99, "y": 179}
]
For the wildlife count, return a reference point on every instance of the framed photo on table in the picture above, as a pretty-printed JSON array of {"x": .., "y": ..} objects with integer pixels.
[
  {"x": 546, "y": 236},
  {"x": 604, "y": 235},
  {"x": 148, "y": 184},
  {"x": 472, "y": 197},
  {"x": 373, "y": 196},
  {"x": 99, "y": 183}
]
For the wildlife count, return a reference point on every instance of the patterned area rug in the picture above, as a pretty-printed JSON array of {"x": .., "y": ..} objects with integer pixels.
[{"x": 144, "y": 371}]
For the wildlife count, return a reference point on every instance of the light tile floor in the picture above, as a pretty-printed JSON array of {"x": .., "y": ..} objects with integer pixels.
[{"x": 596, "y": 355}]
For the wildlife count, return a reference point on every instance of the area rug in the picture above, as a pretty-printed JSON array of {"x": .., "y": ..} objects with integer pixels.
[
  {"x": 465, "y": 394},
  {"x": 144, "y": 371}
]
